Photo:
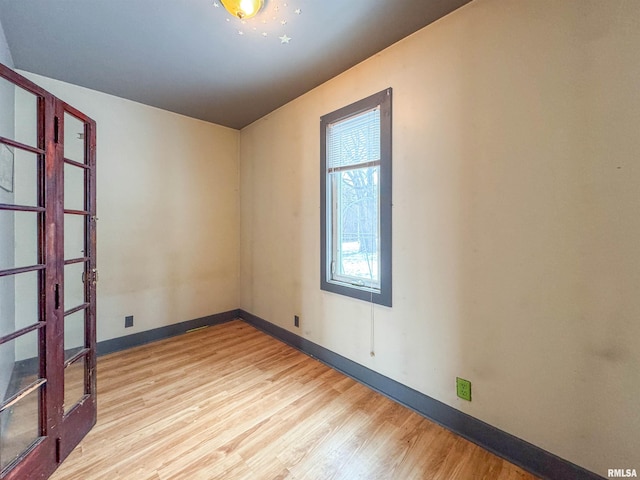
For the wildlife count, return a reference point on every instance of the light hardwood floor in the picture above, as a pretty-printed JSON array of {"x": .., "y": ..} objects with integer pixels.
[{"x": 230, "y": 402}]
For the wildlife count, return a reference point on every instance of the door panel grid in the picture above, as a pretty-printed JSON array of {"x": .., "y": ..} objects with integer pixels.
[{"x": 47, "y": 341}]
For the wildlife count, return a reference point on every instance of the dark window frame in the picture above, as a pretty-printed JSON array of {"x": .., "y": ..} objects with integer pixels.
[{"x": 383, "y": 296}]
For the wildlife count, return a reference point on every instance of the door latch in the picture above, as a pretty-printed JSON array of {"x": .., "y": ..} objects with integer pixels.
[{"x": 93, "y": 276}]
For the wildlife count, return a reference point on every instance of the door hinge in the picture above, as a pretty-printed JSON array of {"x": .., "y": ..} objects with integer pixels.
[
  {"x": 58, "y": 450},
  {"x": 56, "y": 125},
  {"x": 57, "y": 295}
]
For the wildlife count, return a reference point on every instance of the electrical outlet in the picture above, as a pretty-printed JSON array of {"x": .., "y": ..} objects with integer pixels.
[
  {"x": 296, "y": 321},
  {"x": 463, "y": 388},
  {"x": 128, "y": 321}
]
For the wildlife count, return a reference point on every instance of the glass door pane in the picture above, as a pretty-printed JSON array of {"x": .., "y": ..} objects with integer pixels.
[
  {"x": 19, "y": 170},
  {"x": 20, "y": 297},
  {"x": 20, "y": 382},
  {"x": 74, "y": 383},
  {"x": 22, "y": 210},
  {"x": 74, "y": 231},
  {"x": 19, "y": 120},
  {"x": 73, "y": 187},
  {"x": 74, "y": 138},
  {"x": 19, "y": 245},
  {"x": 20, "y": 411},
  {"x": 74, "y": 285},
  {"x": 74, "y": 334},
  {"x": 77, "y": 274}
]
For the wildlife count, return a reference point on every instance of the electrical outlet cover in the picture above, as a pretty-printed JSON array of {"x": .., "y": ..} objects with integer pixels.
[{"x": 463, "y": 388}]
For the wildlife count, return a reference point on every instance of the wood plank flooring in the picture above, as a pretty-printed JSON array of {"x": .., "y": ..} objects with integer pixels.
[{"x": 230, "y": 402}]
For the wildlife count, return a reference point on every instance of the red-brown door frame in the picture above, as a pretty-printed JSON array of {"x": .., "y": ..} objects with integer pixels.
[{"x": 60, "y": 433}]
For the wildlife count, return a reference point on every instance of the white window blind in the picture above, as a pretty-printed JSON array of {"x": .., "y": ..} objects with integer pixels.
[
  {"x": 355, "y": 199},
  {"x": 354, "y": 141}
]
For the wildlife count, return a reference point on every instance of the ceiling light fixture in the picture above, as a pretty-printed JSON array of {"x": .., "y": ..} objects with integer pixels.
[{"x": 243, "y": 9}]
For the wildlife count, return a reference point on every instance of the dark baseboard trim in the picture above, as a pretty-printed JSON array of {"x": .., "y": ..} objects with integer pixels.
[
  {"x": 122, "y": 343},
  {"x": 22, "y": 369},
  {"x": 517, "y": 451}
]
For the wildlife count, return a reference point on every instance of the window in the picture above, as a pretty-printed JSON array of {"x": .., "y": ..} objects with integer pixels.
[{"x": 356, "y": 200}]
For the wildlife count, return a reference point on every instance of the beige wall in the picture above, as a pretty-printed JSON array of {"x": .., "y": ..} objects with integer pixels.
[
  {"x": 168, "y": 212},
  {"x": 516, "y": 199},
  {"x": 515, "y": 219}
]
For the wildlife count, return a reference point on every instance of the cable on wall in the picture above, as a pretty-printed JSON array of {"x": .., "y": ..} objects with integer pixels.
[{"x": 372, "y": 351}]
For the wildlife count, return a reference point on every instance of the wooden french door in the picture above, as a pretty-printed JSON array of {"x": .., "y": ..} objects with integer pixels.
[{"x": 47, "y": 278}]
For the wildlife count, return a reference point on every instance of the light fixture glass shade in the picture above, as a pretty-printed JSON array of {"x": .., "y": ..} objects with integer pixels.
[{"x": 243, "y": 8}]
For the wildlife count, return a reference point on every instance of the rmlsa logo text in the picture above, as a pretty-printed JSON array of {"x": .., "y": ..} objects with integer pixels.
[{"x": 622, "y": 472}]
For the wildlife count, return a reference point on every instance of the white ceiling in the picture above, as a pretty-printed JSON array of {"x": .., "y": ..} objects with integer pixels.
[{"x": 187, "y": 56}]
